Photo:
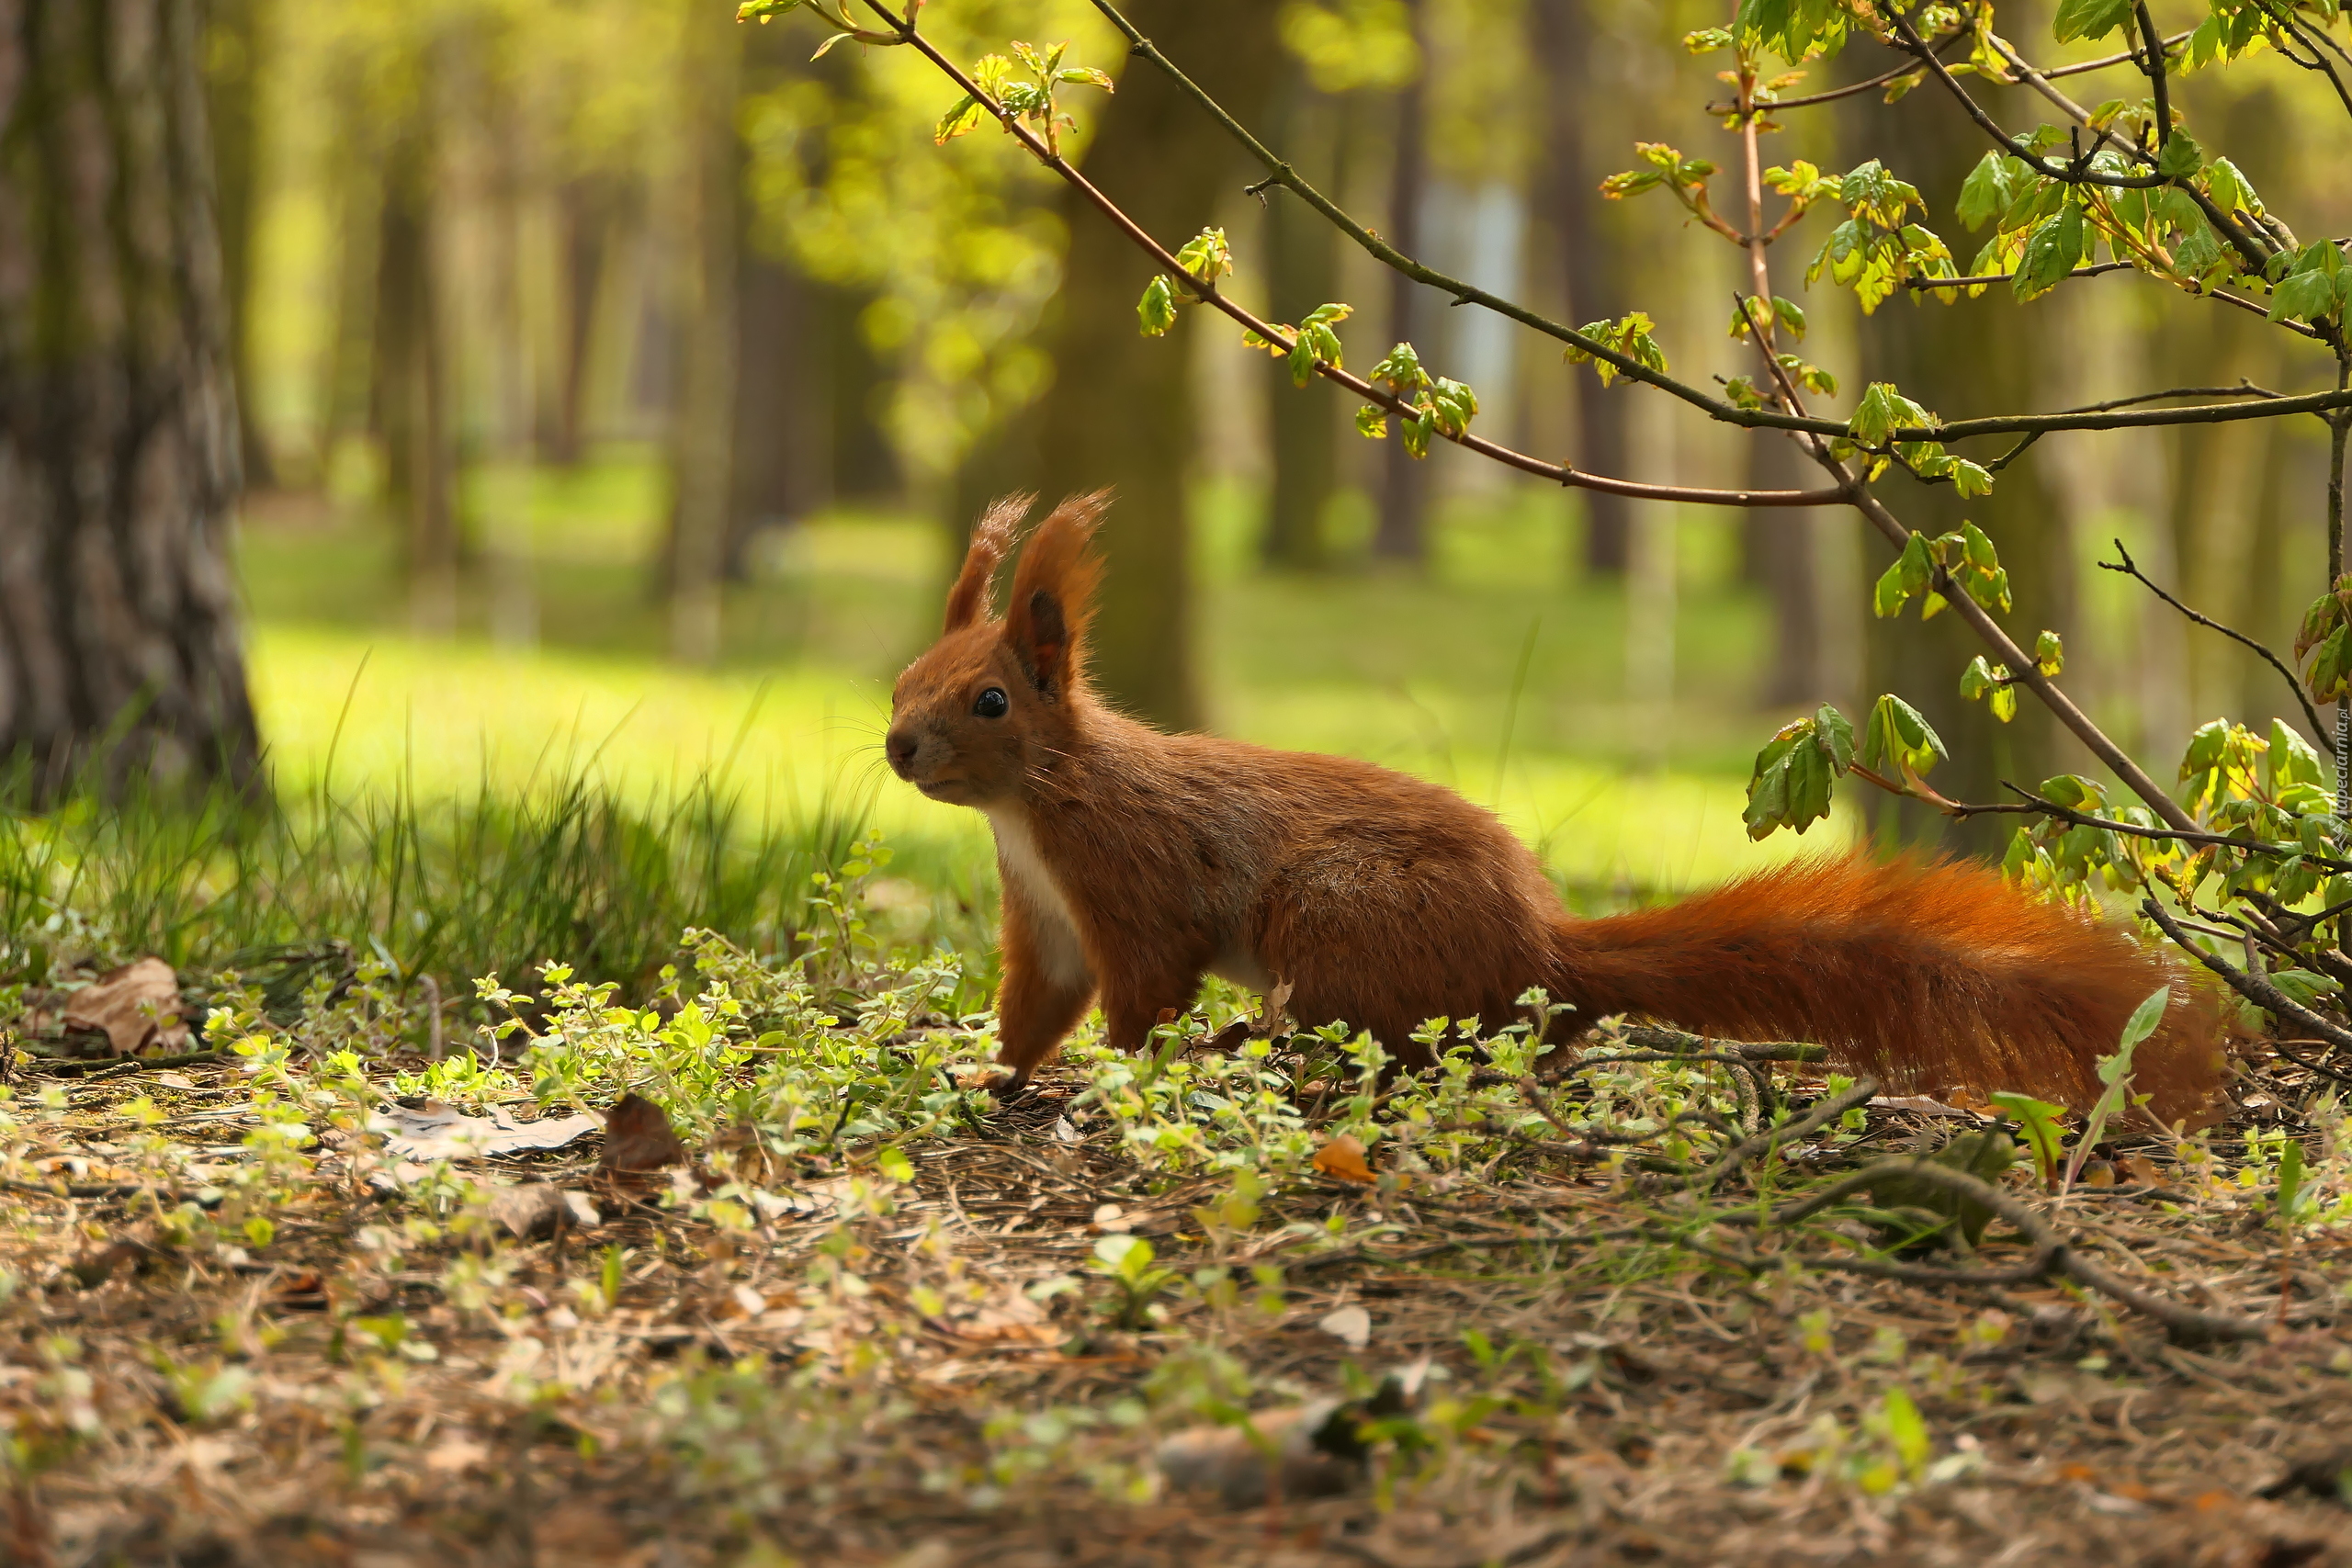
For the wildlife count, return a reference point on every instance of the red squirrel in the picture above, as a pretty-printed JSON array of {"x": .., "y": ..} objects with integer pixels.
[{"x": 1136, "y": 862}]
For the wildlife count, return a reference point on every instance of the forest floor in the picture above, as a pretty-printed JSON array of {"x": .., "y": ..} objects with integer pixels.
[{"x": 811, "y": 1298}]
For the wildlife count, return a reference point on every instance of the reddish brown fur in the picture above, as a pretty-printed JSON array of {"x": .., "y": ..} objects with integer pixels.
[{"x": 1135, "y": 863}]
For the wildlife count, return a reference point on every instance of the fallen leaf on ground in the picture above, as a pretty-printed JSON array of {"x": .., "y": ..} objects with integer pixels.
[
  {"x": 1343, "y": 1158},
  {"x": 134, "y": 1007},
  {"x": 431, "y": 1131},
  {"x": 639, "y": 1138},
  {"x": 533, "y": 1210},
  {"x": 1351, "y": 1325}
]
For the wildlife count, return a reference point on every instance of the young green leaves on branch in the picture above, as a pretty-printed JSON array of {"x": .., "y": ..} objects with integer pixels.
[
  {"x": 2316, "y": 287},
  {"x": 1629, "y": 335},
  {"x": 1787, "y": 317},
  {"x": 1877, "y": 249},
  {"x": 1881, "y": 412},
  {"x": 2327, "y": 640},
  {"x": 1030, "y": 98},
  {"x": 1445, "y": 406},
  {"x": 1791, "y": 783},
  {"x": 1984, "y": 677},
  {"x": 1967, "y": 558},
  {"x": 1205, "y": 258}
]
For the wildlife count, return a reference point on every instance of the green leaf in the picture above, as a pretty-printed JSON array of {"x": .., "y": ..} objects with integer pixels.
[
  {"x": 1913, "y": 570},
  {"x": 1371, "y": 421},
  {"x": 2089, "y": 19},
  {"x": 1790, "y": 316},
  {"x": 2038, "y": 1120},
  {"x": 1979, "y": 678},
  {"x": 965, "y": 116},
  {"x": 2181, "y": 156},
  {"x": 1791, "y": 783},
  {"x": 2138, "y": 1027},
  {"x": 2074, "y": 792},
  {"x": 2291, "y": 1177},
  {"x": 2051, "y": 253},
  {"x": 1976, "y": 547},
  {"x": 1906, "y": 1433},
  {"x": 2004, "y": 703},
  {"x": 1207, "y": 255},
  {"x": 1836, "y": 735},
  {"x": 1155, "y": 311},
  {"x": 1969, "y": 480},
  {"x": 2304, "y": 986},
  {"x": 1401, "y": 368},
  {"x": 1883, "y": 410},
  {"x": 2304, "y": 296},
  {"x": 1899, "y": 737},
  {"x": 2206, "y": 745},
  {"x": 2049, "y": 653},
  {"x": 1986, "y": 192},
  {"x": 893, "y": 1163}
]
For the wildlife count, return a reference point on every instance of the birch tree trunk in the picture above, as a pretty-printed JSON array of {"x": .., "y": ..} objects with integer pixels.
[{"x": 119, "y": 658}]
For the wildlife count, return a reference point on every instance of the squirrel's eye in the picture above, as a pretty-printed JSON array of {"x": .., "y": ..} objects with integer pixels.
[{"x": 993, "y": 702}]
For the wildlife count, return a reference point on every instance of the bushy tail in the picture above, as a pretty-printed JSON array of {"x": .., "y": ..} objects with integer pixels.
[{"x": 1927, "y": 975}]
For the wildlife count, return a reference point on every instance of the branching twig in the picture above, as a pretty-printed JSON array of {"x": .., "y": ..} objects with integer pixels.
[
  {"x": 2131, "y": 569},
  {"x": 2255, "y": 988}
]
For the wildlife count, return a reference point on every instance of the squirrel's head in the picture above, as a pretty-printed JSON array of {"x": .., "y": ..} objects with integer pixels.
[{"x": 995, "y": 697}]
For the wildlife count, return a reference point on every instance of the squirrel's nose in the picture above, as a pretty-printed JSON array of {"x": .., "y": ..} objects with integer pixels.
[{"x": 899, "y": 747}]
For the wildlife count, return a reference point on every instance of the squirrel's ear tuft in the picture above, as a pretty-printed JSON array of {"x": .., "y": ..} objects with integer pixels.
[
  {"x": 991, "y": 541},
  {"x": 1053, "y": 592}
]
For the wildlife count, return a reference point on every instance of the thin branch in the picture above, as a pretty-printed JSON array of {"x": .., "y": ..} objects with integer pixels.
[
  {"x": 2148, "y": 44},
  {"x": 2255, "y": 988},
  {"x": 1767, "y": 105},
  {"x": 2131, "y": 569},
  {"x": 2245, "y": 246},
  {"x": 1388, "y": 401},
  {"x": 2034, "y": 803},
  {"x": 1990, "y": 277},
  {"x": 2182, "y": 1323},
  {"x": 1980, "y": 621}
]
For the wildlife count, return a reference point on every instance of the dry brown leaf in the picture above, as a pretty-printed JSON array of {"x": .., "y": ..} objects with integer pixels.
[
  {"x": 533, "y": 1210},
  {"x": 1273, "y": 1010},
  {"x": 1349, "y": 1325},
  {"x": 2144, "y": 1171},
  {"x": 1343, "y": 1158},
  {"x": 431, "y": 1131},
  {"x": 639, "y": 1138},
  {"x": 134, "y": 1007}
]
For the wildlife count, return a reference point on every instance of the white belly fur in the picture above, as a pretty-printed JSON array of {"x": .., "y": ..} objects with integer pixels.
[{"x": 1063, "y": 959}]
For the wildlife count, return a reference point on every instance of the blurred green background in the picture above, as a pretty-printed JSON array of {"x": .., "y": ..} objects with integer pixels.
[{"x": 619, "y": 382}]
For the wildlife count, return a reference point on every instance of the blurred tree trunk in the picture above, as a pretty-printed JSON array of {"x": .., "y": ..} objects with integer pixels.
[
  {"x": 1401, "y": 531},
  {"x": 1968, "y": 357},
  {"x": 1568, "y": 55},
  {"x": 702, "y": 443},
  {"x": 412, "y": 377},
  {"x": 771, "y": 431},
  {"x": 1779, "y": 543},
  {"x": 1302, "y": 269},
  {"x": 585, "y": 213},
  {"x": 1120, "y": 410},
  {"x": 2224, "y": 482},
  {"x": 235, "y": 41},
  {"x": 119, "y": 474}
]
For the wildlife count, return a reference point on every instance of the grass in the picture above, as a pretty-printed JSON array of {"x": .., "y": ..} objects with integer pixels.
[{"x": 1419, "y": 673}]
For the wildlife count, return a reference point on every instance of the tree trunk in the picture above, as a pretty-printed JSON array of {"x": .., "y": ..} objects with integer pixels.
[
  {"x": 1967, "y": 357},
  {"x": 1302, "y": 270},
  {"x": 1120, "y": 412},
  {"x": 411, "y": 380},
  {"x": 771, "y": 437},
  {"x": 1778, "y": 544},
  {"x": 233, "y": 63},
  {"x": 1568, "y": 50},
  {"x": 1401, "y": 531},
  {"x": 702, "y": 440},
  {"x": 585, "y": 209},
  {"x": 119, "y": 474}
]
